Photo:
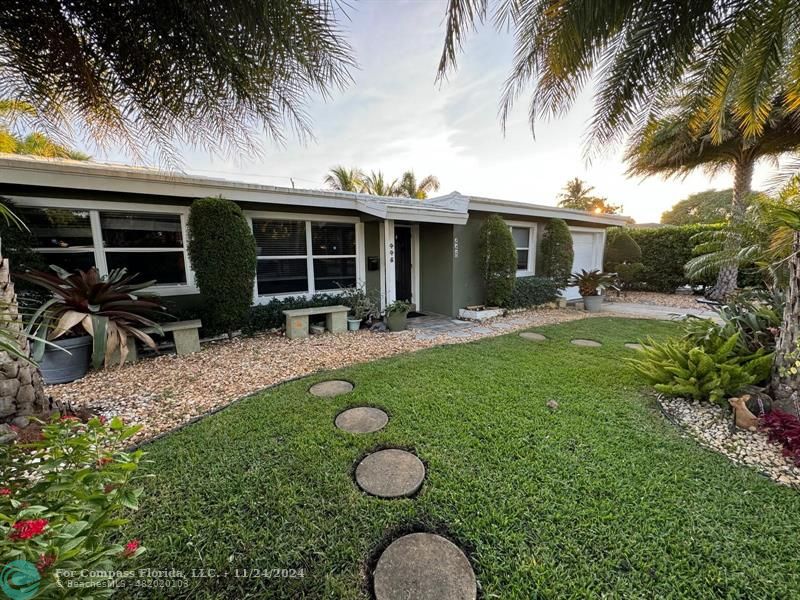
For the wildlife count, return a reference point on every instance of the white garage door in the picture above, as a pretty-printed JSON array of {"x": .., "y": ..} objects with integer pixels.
[{"x": 588, "y": 247}]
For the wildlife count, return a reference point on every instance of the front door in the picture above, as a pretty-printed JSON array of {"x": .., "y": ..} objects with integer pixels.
[{"x": 402, "y": 263}]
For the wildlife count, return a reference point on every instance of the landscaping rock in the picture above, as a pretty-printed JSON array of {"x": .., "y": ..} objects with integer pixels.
[
  {"x": 633, "y": 346},
  {"x": 390, "y": 473},
  {"x": 21, "y": 422},
  {"x": 7, "y": 434},
  {"x": 587, "y": 343},
  {"x": 711, "y": 426},
  {"x": 362, "y": 419},
  {"x": 424, "y": 566},
  {"x": 534, "y": 337},
  {"x": 329, "y": 389},
  {"x": 552, "y": 405}
]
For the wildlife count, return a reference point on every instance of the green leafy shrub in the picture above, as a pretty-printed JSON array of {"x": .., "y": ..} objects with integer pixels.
[
  {"x": 533, "y": 291},
  {"x": 498, "y": 260},
  {"x": 270, "y": 316},
  {"x": 223, "y": 254},
  {"x": 713, "y": 370},
  {"x": 620, "y": 248},
  {"x": 665, "y": 251},
  {"x": 62, "y": 498},
  {"x": 363, "y": 304},
  {"x": 556, "y": 253}
]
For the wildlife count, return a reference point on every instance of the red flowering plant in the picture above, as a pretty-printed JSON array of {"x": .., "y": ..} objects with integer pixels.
[{"x": 63, "y": 499}]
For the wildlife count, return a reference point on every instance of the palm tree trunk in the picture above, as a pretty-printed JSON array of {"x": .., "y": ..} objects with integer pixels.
[
  {"x": 786, "y": 387},
  {"x": 21, "y": 389},
  {"x": 729, "y": 272}
]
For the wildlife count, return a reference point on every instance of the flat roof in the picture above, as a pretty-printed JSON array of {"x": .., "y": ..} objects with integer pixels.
[{"x": 93, "y": 176}]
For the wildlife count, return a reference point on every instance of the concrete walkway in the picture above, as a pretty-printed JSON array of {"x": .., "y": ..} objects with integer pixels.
[{"x": 650, "y": 311}]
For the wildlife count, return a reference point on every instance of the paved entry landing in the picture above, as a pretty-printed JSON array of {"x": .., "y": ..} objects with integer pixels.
[{"x": 433, "y": 325}]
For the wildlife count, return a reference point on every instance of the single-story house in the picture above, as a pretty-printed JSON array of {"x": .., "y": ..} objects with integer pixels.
[{"x": 85, "y": 213}]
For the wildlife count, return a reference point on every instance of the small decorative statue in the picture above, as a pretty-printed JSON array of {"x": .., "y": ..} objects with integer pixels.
[{"x": 743, "y": 418}]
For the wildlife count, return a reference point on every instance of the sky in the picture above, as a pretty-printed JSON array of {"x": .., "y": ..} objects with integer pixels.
[{"x": 395, "y": 117}]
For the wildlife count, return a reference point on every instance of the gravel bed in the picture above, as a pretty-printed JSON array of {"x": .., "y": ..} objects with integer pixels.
[
  {"x": 167, "y": 391},
  {"x": 710, "y": 425},
  {"x": 656, "y": 299}
]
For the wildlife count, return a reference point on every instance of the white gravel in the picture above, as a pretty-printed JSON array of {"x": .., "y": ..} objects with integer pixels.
[
  {"x": 656, "y": 299},
  {"x": 710, "y": 425}
]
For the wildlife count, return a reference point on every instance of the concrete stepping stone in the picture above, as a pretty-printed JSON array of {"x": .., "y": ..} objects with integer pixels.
[
  {"x": 587, "y": 343},
  {"x": 390, "y": 473},
  {"x": 502, "y": 325},
  {"x": 534, "y": 337},
  {"x": 328, "y": 389},
  {"x": 633, "y": 346},
  {"x": 362, "y": 419},
  {"x": 424, "y": 566}
]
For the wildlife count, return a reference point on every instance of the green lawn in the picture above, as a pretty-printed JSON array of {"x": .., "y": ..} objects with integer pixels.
[{"x": 601, "y": 497}]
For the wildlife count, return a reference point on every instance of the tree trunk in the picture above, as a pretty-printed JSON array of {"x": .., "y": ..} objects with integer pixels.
[
  {"x": 729, "y": 272},
  {"x": 21, "y": 388},
  {"x": 786, "y": 388}
]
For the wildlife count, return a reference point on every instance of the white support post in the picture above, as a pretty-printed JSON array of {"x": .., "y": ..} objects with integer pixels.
[
  {"x": 361, "y": 257},
  {"x": 389, "y": 254}
]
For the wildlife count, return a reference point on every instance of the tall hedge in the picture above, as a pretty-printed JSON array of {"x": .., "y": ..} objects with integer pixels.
[
  {"x": 665, "y": 251},
  {"x": 620, "y": 248},
  {"x": 532, "y": 291},
  {"x": 497, "y": 258},
  {"x": 556, "y": 253},
  {"x": 223, "y": 254}
]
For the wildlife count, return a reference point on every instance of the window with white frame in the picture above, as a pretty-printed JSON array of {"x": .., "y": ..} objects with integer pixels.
[
  {"x": 299, "y": 256},
  {"x": 150, "y": 244},
  {"x": 525, "y": 245}
]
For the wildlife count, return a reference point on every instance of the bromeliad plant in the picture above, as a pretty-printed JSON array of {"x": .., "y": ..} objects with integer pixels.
[
  {"x": 62, "y": 498},
  {"x": 107, "y": 308}
]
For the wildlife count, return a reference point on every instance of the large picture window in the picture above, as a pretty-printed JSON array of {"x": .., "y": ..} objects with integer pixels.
[
  {"x": 148, "y": 243},
  {"x": 298, "y": 257}
]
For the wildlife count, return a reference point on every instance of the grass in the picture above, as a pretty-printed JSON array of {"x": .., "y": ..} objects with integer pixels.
[{"x": 601, "y": 497}]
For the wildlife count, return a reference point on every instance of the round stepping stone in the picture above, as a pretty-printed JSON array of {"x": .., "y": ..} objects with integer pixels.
[
  {"x": 328, "y": 389},
  {"x": 390, "y": 473},
  {"x": 422, "y": 566},
  {"x": 633, "y": 346},
  {"x": 362, "y": 419},
  {"x": 588, "y": 343},
  {"x": 534, "y": 337}
]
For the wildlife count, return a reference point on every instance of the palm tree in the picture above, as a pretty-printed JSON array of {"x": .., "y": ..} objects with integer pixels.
[
  {"x": 376, "y": 184},
  {"x": 410, "y": 188},
  {"x": 575, "y": 192},
  {"x": 672, "y": 146},
  {"x": 209, "y": 77},
  {"x": 345, "y": 180},
  {"x": 635, "y": 51},
  {"x": 35, "y": 143}
]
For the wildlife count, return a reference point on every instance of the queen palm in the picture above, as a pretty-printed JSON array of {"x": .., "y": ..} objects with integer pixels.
[
  {"x": 634, "y": 52},
  {"x": 345, "y": 180},
  {"x": 376, "y": 184},
  {"x": 672, "y": 145},
  {"x": 411, "y": 188}
]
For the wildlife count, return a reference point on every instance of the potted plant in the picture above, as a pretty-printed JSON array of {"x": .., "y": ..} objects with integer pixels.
[
  {"x": 397, "y": 315},
  {"x": 362, "y": 305},
  {"x": 87, "y": 310},
  {"x": 589, "y": 285}
]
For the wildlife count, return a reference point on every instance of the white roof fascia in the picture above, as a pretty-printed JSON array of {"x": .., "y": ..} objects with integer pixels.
[{"x": 538, "y": 210}]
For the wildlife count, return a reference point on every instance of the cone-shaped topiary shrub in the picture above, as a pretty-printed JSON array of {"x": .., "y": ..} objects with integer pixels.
[
  {"x": 620, "y": 248},
  {"x": 223, "y": 254},
  {"x": 498, "y": 260},
  {"x": 555, "y": 252}
]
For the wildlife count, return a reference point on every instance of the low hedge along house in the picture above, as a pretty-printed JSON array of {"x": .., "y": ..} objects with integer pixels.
[{"x": 307, "y": 241}]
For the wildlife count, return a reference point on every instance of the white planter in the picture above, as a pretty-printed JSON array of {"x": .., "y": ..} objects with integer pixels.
[
  {"x": 353, "y": 324},
  {"x": 592, "y": 303},
  {"x": 480, "y": 315}
]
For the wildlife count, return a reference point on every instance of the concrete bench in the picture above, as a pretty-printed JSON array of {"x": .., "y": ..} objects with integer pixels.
[
  {"x": 185, "y": 334},
  {"x": 297, "y": 319}
]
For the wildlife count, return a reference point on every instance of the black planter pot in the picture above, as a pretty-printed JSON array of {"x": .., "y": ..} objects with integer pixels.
[{"x": 59, "y": 367}]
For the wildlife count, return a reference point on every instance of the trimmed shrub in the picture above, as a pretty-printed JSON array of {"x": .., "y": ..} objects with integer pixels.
[
  {"x": 665, "y": 251},
  {"x": 498, "y": 260},
  {"x": 270, "y": 315},
  {"x": 533, "y": 291},
  {"x": 620, "y": 248},
  {"x": 556, "y": 253},
  {"x": 223, "y": 254}
]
